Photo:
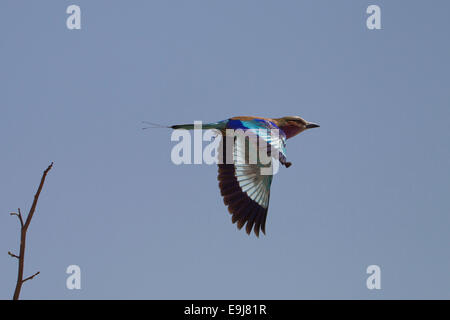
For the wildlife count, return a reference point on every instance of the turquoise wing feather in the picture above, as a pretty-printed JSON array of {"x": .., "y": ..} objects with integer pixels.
[{"x": 263, "y": 129}]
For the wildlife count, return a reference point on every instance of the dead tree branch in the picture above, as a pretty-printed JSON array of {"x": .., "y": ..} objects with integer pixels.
[{"x": 23, "y": 236}]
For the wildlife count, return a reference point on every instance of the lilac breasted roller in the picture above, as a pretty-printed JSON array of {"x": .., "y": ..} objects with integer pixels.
[{"x": 245, "y": 190}]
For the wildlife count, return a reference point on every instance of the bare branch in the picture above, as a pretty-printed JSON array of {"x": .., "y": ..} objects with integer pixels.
[
  {"x": 19, "y": 215},
  {"x": 36, "y": 197},
  {"x": 30, "y": 277},
  {"x": 13, "y": 255},
  {"x": 23, "y": 236}
]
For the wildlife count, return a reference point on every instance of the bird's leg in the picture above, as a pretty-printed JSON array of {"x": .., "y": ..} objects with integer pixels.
[
  {"x": 283, "y": 161},
  {"x": 281, "y": 157}
]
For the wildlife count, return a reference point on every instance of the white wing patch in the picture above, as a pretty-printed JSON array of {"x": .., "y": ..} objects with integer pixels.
[{"x": 249, "y": 177}]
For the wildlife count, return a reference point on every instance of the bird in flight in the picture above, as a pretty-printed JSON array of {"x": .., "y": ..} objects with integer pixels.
[{"x": 245, "y": 190}]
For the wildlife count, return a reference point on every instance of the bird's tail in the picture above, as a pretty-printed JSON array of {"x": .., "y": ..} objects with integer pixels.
[
  {"x": 183, "y": 126},
  {"x": 213, "y": 125}
]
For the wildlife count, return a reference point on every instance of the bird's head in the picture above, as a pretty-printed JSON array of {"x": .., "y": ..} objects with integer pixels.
[{"x": 293, "y": 125}]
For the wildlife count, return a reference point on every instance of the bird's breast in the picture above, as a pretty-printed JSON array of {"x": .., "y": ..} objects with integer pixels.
[{"x": 290, "y": 131}]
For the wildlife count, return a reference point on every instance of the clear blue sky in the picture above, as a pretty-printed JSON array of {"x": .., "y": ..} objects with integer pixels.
[{"x": 371, "y": 186}]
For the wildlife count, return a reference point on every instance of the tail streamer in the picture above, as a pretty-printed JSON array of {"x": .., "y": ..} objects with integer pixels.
[{"x": 151, "y": 125}]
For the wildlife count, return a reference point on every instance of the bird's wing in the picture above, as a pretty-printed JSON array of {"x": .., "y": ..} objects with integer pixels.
[
  {"x": 263, "y": 128},
  {"x": 245, "y": 190}
]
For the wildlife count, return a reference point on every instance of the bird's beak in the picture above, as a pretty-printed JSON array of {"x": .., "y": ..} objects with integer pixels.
[{"x": 311, "y": 125}]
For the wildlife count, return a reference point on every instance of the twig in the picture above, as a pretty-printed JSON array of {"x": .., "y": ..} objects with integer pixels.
[
  {"x": 13, "y": 255},
  {"x": 19, "y": 215},
  {"x": 31, "y": 277},
  {"x": 23, "y": 236}
]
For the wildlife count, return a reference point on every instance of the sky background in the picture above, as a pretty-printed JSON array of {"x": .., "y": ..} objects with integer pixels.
[{"x": 370, "y": 186}]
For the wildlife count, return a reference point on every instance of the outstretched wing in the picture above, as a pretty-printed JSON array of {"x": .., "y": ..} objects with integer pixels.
[{"x": 245, "y": 190}]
